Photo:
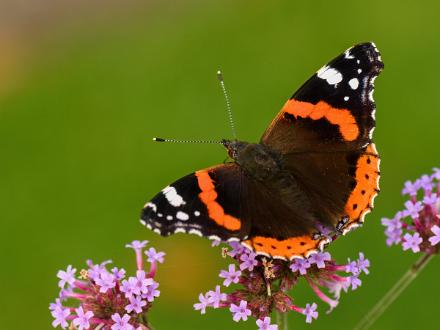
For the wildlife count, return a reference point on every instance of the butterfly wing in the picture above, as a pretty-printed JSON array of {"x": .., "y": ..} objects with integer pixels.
[
  {"x": 224, "y": 203},
  {"x": 200, "y": 203},
  {"x": 324, "y": 132}
]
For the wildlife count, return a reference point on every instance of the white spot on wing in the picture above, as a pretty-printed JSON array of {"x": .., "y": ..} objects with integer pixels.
[
  {"x": 195, "y": 232},
  {"x": 346, "y": 98},
  {"x": 179, "y": 230},
  {"x": 354, "y": 83},
  {"x": 348, "y": 55},
  {"x": 172, "y": 196},
  {"x": 182, "y": 216},
  {"x": 332, "y": 76},
  {"x": 377, "y": 51},
  {"x": 143, "y": 222},
  {"x": 169, "y": 217},
  {"x": 196, "y": 213},
  {"x": 152, "y": 206},
  {"x": 370, "y": 134}
]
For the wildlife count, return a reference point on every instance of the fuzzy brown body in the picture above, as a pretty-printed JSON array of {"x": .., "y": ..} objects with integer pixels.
[{"x": 266, "y": 165}]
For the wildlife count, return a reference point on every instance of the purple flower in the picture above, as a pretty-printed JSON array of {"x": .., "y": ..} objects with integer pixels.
[
  {"x": 434, "y": 240},
  {"x": 319, "y": 259},
  {"x": 411, "y": 188},
  {"x": 310, "y": 312},
  {"x": 106, "y": 281},
  {"x": 140, "y": 283},
  {"x": 240, "y": 312},
  {"x": 127, "y": 288},
  {"x": 300, "y": 265},
  {"x": 431, "y": 200},
  {"x": 154, "y": 256},
  {"x": 55, "y": 305},
  {"x": 65, "y": 293},
  {"x": 60, "y": 315},
  {"x": 121, "y": 323},
  {"x": 237, "y": 249},
  {"x": 412, "y": 242},
  {"x": 106, "y": 300},
  {"x": 265, "y": 288},
  {"x": 137, "y": 244},
  {"x": 436, "y": 174},
  {"x": 248, "y": 261},
  {"x": 95, "y": 271},
  {"x": 264, "y": 324},
  {"x": 355, "y": 282},
  {"x": 205, "y": 301},
  {"x": 420, "y": 216},
  {"x": 230, "y": 276},
  {"x": 413, "y": 209},
  {"x": 394, "y": 223},
  {"x": 352, "y": 267},
  {"x": 216, "y": 297},
  {"x": 67, "y": 276},
  {"x": 82, "y": 320},
  {"x": 363, "y": 264},
  {"x": 136, "y": 304},
  {"x": 119, "y": 274},
  {"x": 425, "y": 182},
  {"x": 393, "y": 236},
  {"x": 152, "y": 293}
]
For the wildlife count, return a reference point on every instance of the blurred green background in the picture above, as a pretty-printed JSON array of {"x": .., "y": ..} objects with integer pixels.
[{"x": 84, "y": 85}]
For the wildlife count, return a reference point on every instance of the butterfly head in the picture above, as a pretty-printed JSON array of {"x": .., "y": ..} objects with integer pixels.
[{"x": 234, "y": 148}]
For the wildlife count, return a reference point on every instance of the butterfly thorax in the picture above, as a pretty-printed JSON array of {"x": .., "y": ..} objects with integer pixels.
[
  {"x": 258, "y": 160},
  {"x": 266, "y": 165}
]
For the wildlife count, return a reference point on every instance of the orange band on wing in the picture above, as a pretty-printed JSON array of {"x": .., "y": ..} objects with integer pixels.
[
  {"x": 208, "y": 197},
  {"x": 296, "y": 246},
  {"x": 341, "y": 117},
  {"x": 361, "y": 198}
]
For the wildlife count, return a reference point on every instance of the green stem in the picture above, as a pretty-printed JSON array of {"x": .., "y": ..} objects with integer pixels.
[
  {"x": 380, "y": 307},
  {"x": 282, "y": 321}
]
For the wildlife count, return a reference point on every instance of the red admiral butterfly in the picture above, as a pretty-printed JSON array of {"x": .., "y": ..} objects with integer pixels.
[{"x": 313, "y": 175}]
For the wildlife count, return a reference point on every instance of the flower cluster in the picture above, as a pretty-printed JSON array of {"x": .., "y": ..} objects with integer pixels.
[
  {"x": 107, "y": 299},
  {"x": 262, "y": 285},
  {"x": 417, "y": 226}
]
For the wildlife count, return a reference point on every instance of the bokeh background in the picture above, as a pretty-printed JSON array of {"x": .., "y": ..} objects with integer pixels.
[{"x": 84, "y": 85}]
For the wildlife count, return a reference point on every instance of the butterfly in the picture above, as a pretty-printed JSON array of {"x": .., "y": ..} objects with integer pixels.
[{"x": 313, "y": 175}]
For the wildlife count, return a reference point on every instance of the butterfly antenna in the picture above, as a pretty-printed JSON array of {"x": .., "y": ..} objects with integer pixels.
[
  {"x": 158, "y": 139},
  {"x": 228, "y": 103}
]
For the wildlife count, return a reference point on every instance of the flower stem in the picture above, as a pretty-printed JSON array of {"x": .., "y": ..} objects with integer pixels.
[
  {"x": 393, "y": 293},
  {"x": 282, "y": 321}
]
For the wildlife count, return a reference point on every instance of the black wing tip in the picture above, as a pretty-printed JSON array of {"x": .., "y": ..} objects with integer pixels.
[{"x": 370, "y": 49}]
